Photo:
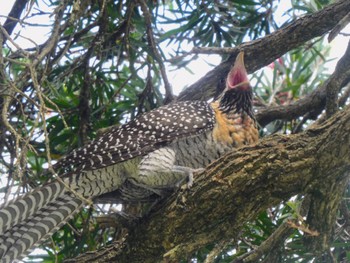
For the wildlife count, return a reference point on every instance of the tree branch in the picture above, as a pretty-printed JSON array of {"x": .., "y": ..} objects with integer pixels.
[
  {"x": 13, "y": 17},
  {"x": 270, "y": 244},
  {"x": 332, "y": 87},
  {"x": 153, "y": 48},
  {"x": 339, "y": 27},
  {"x": 278, "y": 43},
  {"x": 315, "y": 102}
]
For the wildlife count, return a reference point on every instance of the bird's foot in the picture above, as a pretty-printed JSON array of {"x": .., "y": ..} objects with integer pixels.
[
  {"x": 190, "y": 179},
  {"x": 188, "y": 172}
]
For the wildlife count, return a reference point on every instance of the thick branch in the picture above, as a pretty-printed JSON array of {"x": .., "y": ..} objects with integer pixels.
[{"x": 263, "y": 51}]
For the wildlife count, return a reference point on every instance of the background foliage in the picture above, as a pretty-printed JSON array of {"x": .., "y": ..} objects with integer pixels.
[{"x": 106, "y": 61}]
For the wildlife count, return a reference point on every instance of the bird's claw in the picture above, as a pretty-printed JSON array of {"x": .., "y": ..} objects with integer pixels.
[{"x": 190, "y": 178}]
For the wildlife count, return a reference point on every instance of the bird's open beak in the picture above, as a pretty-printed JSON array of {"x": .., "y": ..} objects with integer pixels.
[
  {"x": 238, "y": 77},
  {"x": 240, "y": 60}
]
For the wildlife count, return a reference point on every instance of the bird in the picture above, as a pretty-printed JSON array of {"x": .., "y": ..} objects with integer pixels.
[{"x": 155, "y": 152}]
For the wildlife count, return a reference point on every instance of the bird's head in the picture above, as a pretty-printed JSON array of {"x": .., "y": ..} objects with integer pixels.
[{"x": 237, "y": 95}]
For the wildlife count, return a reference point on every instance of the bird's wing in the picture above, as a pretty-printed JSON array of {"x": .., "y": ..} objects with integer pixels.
[{"x": 147, "y": 133}]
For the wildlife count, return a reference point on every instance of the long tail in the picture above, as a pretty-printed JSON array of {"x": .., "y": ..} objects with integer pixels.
[{"x": 32, "y": 218}]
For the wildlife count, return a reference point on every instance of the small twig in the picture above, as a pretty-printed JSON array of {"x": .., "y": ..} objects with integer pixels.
[
  {"x": 344, "y": 97},
  {"x": 76, "y": 232},
  {"x": 8, "y": 37},
  {"x": 207, "y": 51},
  {"x": 111, "y": 99},
  {"x": 217, "y": 250},
  {"x": 54, "y": 247},
  {"x": 339, "y": 27},
  {"x": 13, "y": 17},
  {"x": 5, "y": 122},
  {"x": 57, "y": 109},
  {"x": 15, "y": 89},
  {"x": 277, "y": 237},
  {"x": 303, "y": 228},
  {"x": 15, "y": 61},
  {"x": 52, "y": 41},
  {"x": 299, "y": 127},
  {"x": 125, "y": 27},
  {"x": 280, "y": 233},
  {"x": 213, "y": 50},
  {"x": 153, "y": 45},
  {"x": 42, "y": 111},
  {"x": 1, "y": 56},
  {"x": 24, "y": 22},
  {"x": 341, "y": 102},
  {"x": 37, "y": 48}
]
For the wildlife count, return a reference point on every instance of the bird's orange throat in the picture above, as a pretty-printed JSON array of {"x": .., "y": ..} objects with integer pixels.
[{"x": 233, "y": 128}]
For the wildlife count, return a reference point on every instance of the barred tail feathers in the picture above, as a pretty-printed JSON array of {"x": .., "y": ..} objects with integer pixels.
[
  {"x": 28, "y": 234},
  {"x": 27, "y": 205},
  {"x": 33, "y": 217}
]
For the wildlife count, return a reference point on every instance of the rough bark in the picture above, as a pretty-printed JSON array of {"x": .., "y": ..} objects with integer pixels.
[{"x": 235, "y": 189}]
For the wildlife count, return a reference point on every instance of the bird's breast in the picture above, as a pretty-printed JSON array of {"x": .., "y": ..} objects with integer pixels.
[{"x": 233, "y": 129}]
